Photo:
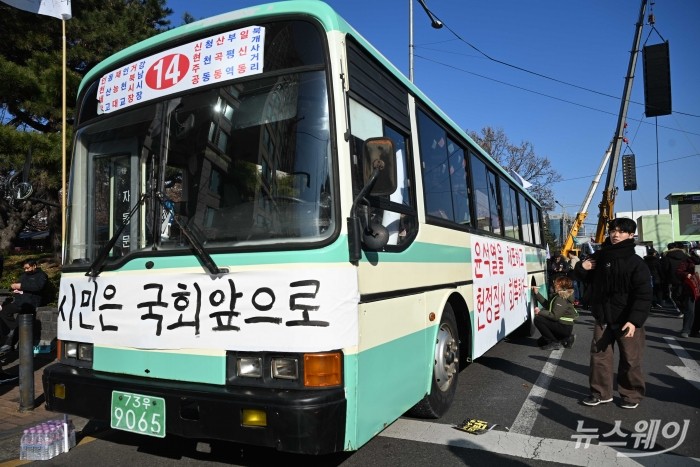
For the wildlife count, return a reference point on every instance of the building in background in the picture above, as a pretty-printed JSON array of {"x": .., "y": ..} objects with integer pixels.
[
  {"x": 679, "y": 223},
  {"x": 559, "y": 226}
]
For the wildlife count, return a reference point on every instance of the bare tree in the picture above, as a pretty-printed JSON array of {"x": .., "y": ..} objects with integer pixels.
[{"x": 522, "y": 159}]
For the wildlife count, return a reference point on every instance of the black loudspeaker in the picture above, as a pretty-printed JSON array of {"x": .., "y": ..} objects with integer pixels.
[
  {"x": 629, "y": 173},
  {"x": 657, "y": 80}
]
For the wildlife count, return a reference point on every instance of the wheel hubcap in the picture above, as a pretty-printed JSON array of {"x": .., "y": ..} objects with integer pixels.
[{"x": 446, "y": 357}]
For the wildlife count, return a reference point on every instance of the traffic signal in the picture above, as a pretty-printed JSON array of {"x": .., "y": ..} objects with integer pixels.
[{"x": 629, "y": 173}]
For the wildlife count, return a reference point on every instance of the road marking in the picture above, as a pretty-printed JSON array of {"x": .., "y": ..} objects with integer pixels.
[
  {"x": 690, "y": 371},
  {"x": 562, "y": 452},
  {"x": 525, "y": 419}
]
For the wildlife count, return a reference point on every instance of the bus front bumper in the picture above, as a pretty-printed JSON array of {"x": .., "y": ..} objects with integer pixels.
[{"x": 299, "y": 421}]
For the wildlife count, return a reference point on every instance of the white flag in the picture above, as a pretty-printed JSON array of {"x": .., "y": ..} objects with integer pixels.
[
  {"x": 524, "y": 183},
  {"x": 57, "y": 8}
]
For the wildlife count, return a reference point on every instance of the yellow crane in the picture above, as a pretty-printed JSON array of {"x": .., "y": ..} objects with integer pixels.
[
  {"x": 569, "y": 244},
  {"x": 607, "y": 205}
]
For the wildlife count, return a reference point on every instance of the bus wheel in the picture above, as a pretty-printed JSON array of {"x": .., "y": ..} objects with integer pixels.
[{"x": 445, "y": 371}]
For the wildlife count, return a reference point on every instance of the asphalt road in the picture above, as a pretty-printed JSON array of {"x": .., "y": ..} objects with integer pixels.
[{"x": 530, "y": 396}]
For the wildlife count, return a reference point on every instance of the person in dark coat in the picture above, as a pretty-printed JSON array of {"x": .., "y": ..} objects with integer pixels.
[
  {"x": 672, "y": 259},
  {"x": 27, "y": 294},
  {"x": 690, "y": 292},
  {"x": 654, "y": 264},
  {"x": 695, "y": 329},
  {"x": 621, "y": 294}
]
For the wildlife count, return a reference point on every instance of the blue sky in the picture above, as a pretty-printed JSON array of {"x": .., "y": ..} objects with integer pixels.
[{"x": 584, "y": 44}]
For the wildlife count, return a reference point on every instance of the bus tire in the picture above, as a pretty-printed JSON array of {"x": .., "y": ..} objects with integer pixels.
[{"x": 445, "y": 370}]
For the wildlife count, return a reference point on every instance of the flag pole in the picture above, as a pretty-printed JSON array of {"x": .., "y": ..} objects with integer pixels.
[{"x": 63, "y": 148}]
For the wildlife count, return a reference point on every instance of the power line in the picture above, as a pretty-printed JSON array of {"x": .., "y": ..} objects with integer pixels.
[
  {"x": 525, "y": 70},
  {"x": 620, "y": 170},
  {"x": 561, "y": 82},
  {"x": 548, "y": 95}
]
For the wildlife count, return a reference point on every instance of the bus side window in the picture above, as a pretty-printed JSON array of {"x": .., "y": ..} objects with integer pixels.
[
  {"x": 481, "y": 193},
  {"x": 458, "y": 179},
  {"x": 396, "y": 211},
  {"x": 436, "y": 170},
  {"x": 401, "y": 225}
]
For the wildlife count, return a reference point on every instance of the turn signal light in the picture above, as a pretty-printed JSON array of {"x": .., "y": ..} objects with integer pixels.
[{"x": 322, "y": 370}]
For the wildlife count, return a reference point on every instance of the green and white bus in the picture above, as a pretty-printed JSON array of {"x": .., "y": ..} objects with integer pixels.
[{"x": 274, "y": 238}]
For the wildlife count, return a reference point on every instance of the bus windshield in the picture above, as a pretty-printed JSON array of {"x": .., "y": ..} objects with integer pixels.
[{"x": 241, "y": 164}]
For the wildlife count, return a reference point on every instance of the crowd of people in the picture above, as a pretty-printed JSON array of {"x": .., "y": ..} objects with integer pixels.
[
  {"x": 676, "y": 284},
  {"x": 620, "y": 288},
  {"x": 675, "y": 279}
]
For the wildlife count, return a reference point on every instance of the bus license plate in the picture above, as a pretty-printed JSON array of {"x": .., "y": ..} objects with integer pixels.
[{"x": 138, "y": 413}]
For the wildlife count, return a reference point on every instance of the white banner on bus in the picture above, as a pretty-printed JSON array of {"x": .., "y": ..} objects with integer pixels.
[
  {"x": 206, "y": 61},
  {"x": 501, "y": 295},
  {"x": 281, "y": 310}
]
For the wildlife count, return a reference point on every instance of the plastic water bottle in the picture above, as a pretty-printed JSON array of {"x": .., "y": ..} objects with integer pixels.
[
  {"x": 49, "y": 444},
  {"x": 24, "y": 445},
  {"x": 58, "y": 439},
  {"x": 53, "y": 447},
  {"x": 44, "y": 444},
  {"x": 60, "y": 434},
  {"x": 55, "y": 438},
  {"x": 38, "y": 443},
  {"x": 30, "y": 446},
  {"x": 50, "y": 434},
  {"x": 33, "y": 449}
]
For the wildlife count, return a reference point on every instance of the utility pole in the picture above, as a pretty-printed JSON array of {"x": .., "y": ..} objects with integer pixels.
[{"x": 607, "y": 204}]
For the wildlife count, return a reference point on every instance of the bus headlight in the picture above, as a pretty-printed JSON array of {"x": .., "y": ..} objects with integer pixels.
[
  {"x": 85, "y": 352},
  {"x": 249, "y": 367},
  {"x": 285, "y": 368},
  {"x": 75, "y": 352},
  {"x": 70, "y": 349}
]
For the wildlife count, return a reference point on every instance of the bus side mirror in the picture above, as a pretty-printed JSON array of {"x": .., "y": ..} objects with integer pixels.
[
  {"x": 379, "y": 153},
  {"x": 379, "y": 179}
]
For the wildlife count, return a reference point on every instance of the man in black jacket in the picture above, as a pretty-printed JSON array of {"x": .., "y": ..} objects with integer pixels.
[
  {"x": 657, "y": 277},
  {"x": 27, "y": 294},
  {"x": 672, "y": 259},
  {"x": 620, "y": 303}
]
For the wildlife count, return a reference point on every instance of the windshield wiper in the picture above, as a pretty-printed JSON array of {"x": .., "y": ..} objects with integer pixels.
[
  {"x": 197, "y": 246},
  {"x": 96, "y": 266},
  {"x": 200, "y": 252}
]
